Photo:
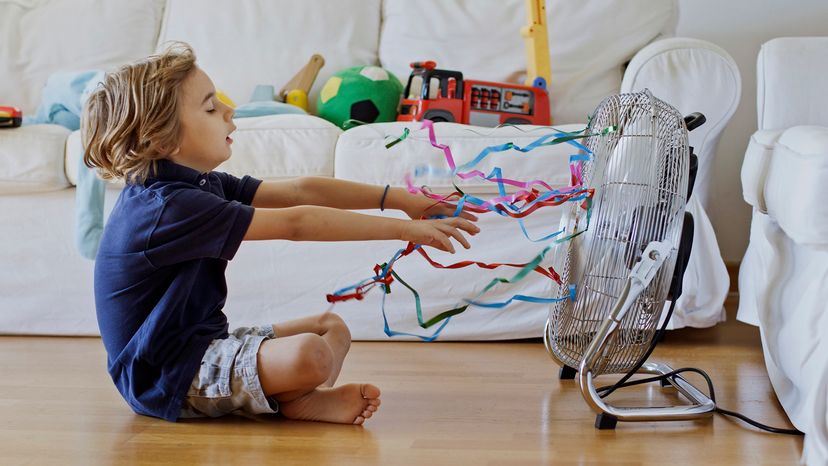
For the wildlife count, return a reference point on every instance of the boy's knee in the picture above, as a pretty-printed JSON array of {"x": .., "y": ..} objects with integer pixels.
[
  {"x": 334, "y": 323},
  {"x": 314, "y": 358}
]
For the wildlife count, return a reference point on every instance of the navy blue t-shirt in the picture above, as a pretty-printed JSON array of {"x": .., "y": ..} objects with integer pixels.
[{"x": 159, "y": 279}]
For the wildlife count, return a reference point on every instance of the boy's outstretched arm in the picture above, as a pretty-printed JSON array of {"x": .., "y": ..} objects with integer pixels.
[
  {"x": 313, "y": 223},
  {"x": 343, "y": 194}
]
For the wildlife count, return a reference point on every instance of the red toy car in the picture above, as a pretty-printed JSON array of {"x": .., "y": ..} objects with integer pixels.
[
  {"x": 443, "y": 95},
  {"x": 10, "y": 117}
]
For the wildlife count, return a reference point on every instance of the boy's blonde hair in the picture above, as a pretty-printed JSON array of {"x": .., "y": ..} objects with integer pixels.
[{"x": 131, "y": 119}]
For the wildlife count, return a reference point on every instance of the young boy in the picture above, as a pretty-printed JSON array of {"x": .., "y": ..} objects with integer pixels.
[{"x": 159, "y": 273}]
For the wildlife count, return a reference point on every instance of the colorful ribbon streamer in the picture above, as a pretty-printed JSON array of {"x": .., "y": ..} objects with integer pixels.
[{"x": 517, "y": 206}]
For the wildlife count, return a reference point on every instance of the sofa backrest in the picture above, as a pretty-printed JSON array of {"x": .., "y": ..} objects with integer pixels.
[
  {"x": 589, "y": 42},
  {"x": 245, "y": 43},
  {"x": 41, "y": 37}
]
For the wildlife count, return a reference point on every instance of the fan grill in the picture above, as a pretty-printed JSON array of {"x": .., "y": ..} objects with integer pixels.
[{"x": 640, "y": 173}]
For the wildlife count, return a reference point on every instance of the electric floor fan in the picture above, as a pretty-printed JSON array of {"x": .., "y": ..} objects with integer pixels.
[{"x": 626, "y": 257}]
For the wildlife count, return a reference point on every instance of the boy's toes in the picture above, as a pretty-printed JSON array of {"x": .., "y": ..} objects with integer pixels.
[
  {"x": 369, "y": 391},
  {"x": 371, "y": 408},
  {"x": 359, "y": 420},
  {"x": 375, "y": 402},
  {"x": 367, "y": 414}
]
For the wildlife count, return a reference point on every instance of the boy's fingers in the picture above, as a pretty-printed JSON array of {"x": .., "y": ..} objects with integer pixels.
[
  {"x": 466, "y": 225},
  {"x": 447, "y": 243},
  {"x": 457, "y": 235},
  {"x": 468, "y": 216},
  {"x": 461, "y": 239},
  {"x": 440, "y": 241}
]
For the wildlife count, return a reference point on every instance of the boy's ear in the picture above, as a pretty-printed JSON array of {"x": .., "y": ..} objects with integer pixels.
[{"x": 176, "y": 150}]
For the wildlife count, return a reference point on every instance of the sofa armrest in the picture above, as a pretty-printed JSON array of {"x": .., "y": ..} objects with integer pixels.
[
  {"x": 755, "y": 167},
  {"x": 795, "y": 191},
  {"x": 693, "y": 76}
]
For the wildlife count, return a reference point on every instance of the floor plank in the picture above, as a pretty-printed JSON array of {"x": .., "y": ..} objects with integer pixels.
[{"x": 443, "y": 403}]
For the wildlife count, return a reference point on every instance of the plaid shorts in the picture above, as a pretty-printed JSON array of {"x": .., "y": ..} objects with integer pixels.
[{"x": 228, "y": 379}]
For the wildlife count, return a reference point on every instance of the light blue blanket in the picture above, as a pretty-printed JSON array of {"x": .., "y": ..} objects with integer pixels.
[{"x": 61, "y": 103}]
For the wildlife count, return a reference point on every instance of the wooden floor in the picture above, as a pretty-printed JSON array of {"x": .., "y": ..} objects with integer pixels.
[{"x": 443, "y": 403}]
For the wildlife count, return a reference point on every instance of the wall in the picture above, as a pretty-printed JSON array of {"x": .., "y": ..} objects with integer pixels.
[{"x": 740, "y": 27}]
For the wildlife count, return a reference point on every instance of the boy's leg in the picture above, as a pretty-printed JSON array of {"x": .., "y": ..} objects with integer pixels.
[
  {"x": 292, "y": 368},
  {"x": 333, "y": 331}
]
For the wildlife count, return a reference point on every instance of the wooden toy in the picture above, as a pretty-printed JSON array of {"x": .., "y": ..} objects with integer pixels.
[{"x": 296, "y": 91}]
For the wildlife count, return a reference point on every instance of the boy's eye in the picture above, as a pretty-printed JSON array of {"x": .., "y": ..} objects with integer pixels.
[{"x": 211, "y": 110}]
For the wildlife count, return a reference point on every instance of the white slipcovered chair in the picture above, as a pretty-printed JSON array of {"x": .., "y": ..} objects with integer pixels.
[{"x": 783, "y": 280}]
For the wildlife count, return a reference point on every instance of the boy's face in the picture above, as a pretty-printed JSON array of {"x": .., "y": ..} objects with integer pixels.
[{"x": 206, "y": 124}]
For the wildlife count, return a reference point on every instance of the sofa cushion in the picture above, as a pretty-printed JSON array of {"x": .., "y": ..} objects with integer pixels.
[
  {"x": 31, "y": 159},
  {"x": 41, "y": 37},
  {"x": 589, "y": 42},
  {"x": 282, "y": 146},
  {"x": 361, "y": 155},
  {"x": 268, "y": 148},
  {"x": 240, "y": 50}
]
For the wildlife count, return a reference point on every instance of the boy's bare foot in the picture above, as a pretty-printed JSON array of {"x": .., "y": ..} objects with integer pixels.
[{"x": 345, "y": 404}]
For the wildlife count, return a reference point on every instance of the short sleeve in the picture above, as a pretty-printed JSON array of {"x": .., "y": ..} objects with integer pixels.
[
  {"x": 236, "y": 189},
  {"x": 196, "y": 224}
]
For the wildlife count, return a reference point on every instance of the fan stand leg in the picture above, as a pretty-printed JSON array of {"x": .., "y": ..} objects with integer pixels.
[
  {"x": 567, "y": 373},
  {"x": 605, "y": 421},
  {"x": 701, "y": 404},
  {"x": 607, "y": 415}
]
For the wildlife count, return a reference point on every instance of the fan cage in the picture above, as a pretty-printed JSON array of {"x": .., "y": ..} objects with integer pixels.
[{"x": 639, "y": 170}]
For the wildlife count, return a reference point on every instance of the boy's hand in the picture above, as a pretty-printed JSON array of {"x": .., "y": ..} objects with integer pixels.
[
  {"x": 416, "y": 207},
  {"x": 437, "y": 233}
]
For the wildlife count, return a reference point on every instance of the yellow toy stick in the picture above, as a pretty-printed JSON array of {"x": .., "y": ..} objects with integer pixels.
[
  {"x": 297, "y": 97},
  {"x": 537, "y": 44}
]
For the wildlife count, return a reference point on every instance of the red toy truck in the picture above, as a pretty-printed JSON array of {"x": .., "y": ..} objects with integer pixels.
[
  {"x": 443, "y": 95},
  {"x": 10, "y": 117}
]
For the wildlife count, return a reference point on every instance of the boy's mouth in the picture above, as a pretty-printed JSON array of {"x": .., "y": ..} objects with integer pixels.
[{"x": 229, "y": 140}]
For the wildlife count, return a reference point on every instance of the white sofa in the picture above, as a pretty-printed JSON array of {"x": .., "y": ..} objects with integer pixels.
[
  {"x": 783, "y": 280},
  {"x": 597, "y": 49}
]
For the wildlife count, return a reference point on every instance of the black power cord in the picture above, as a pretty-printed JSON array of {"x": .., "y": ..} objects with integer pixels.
[{"x": 725, "y": 412}]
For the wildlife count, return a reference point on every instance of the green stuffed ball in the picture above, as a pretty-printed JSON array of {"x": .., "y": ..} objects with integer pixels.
[{"x": 367, "y": 94}]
